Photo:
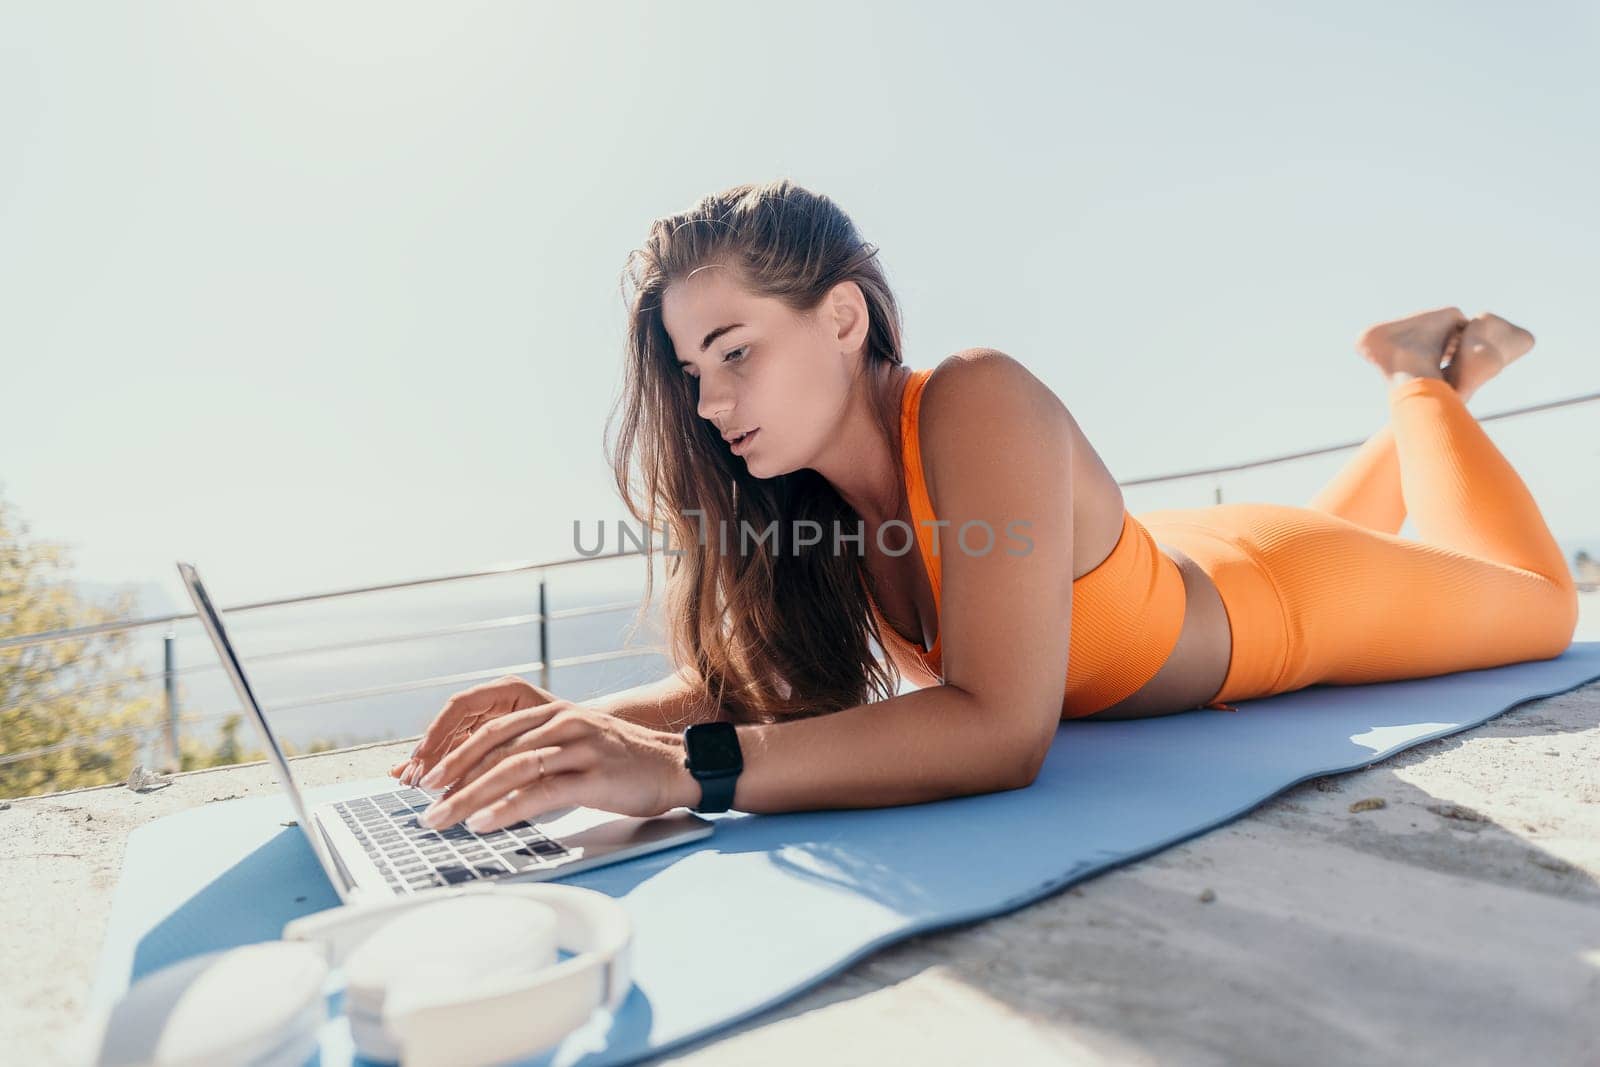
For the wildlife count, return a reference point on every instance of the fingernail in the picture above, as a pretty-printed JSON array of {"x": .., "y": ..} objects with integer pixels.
[
  {"x": 430, "y": 817},
  {"x": 479, "y": 821},
  {"x": 431, "y": 779}
]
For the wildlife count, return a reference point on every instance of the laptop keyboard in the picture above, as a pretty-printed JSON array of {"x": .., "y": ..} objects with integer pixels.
[{"x": 413, "y": 857}]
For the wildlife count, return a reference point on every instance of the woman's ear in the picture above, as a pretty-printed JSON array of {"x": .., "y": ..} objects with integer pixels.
[{"x": 847, "y": 318}]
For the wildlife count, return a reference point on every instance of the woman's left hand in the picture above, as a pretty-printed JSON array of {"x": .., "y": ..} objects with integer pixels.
[{"x": 556, "y": 755}]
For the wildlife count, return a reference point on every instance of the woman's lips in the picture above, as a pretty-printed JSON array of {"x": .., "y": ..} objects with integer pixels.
[{"x": 743, "y": 444}]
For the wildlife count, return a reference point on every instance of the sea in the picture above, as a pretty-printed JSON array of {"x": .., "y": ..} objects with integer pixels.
[{"x": 309, "y": 685}]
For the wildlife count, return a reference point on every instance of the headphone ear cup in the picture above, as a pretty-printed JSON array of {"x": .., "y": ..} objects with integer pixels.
[
  {"x": 188, "y": 1013},
  {"x": 445, "y": 950},
  {"x": 594, "y": 925},
  {"x": 520, "y": 1018},
  {"x": 528, "y": 1015}
]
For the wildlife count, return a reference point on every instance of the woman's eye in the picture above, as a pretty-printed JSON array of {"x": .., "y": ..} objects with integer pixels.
[{"x": 743, "y": 352}]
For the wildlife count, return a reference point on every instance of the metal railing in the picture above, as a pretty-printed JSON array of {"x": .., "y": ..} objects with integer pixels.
[
  {"x": 543, "y": 617},
  {"x": 171, "y": 672},
  {"x": 1286, "y": 457}
]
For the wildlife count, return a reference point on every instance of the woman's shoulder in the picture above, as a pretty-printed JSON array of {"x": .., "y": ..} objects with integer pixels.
[
  {"x": 977, "y": 394},
  {"x": 987, "y": 382}
]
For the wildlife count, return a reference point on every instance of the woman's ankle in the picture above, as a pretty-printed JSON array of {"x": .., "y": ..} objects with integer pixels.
[
  {"x": 1398, "y": 377},
  {"x": 1406, "y": 385}
]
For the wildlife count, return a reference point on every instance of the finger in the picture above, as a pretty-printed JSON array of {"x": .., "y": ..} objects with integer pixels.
[
  {"x": 528, "y": 803},
  {"x": 552, "y": 737},
  {"x": 399, "y": 770},
  {"x": 489, "y": 762},
  {"x": 485, "y": 699},
  {"x": 517, "y": 771},
  {"x": 422, "y": 761},
  {"x": 486, "y": 737},
  {"x": 448, "y": 720},
  {"x": 520, "y": 770},
  {"x": 554, "y": 744},
  {"x": 412, "y": 772}
]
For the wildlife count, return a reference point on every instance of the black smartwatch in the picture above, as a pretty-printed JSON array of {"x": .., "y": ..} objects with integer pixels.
[{"x": 713, "y": 756}]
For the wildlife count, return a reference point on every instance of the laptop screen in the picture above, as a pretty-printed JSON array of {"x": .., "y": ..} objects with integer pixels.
[{"x": 212, "y": 620}]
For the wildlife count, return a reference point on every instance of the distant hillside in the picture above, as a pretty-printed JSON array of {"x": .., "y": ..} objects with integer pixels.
[
  {"x": 1586, "y": 569},
  {"x": 1583, "y": 556},
  {"x": 1571, "y": 546}
]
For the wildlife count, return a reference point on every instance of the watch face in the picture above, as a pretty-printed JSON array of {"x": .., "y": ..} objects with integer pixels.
[{"x": 713, "y": 747}]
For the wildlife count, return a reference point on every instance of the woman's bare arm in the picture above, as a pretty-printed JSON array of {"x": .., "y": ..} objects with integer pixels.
[
  {"x": 930, "y": 744},
  {"x": 665, "y": 704},
  {"x": 997, "y": 448}
]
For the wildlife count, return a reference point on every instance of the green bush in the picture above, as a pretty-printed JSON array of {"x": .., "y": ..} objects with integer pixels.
[{"x": 92, "y": 737}]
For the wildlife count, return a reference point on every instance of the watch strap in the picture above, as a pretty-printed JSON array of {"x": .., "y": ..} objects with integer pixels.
[{"x": 716, "y": 791}]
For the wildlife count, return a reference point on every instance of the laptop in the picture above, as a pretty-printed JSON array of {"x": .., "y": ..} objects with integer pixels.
[{"x": 373, "y": 847}]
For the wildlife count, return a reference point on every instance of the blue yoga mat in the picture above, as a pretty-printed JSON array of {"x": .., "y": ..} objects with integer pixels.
[{"x": 715, "y": 941}]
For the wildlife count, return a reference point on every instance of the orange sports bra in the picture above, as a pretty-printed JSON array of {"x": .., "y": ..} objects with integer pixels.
[{"x": 1127, "y": 612}]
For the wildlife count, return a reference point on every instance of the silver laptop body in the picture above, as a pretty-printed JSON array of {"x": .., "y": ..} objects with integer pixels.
[{"x": 374, "y": 848}]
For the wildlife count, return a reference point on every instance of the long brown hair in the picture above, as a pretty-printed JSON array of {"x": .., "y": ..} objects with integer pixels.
[{"x": 776, "y": 631}]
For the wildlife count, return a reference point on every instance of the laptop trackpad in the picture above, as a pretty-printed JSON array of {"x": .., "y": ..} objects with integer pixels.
[{"x": 563, "y": 821}]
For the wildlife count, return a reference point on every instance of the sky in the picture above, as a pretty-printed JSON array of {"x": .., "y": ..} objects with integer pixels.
[{"x": 320, "y": 295}]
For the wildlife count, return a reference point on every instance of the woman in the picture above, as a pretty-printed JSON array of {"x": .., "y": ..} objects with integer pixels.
[{"x": 766, "y": 394}]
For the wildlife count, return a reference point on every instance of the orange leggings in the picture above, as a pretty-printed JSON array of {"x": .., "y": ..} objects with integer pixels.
[{"x": 1330, "y": 594}]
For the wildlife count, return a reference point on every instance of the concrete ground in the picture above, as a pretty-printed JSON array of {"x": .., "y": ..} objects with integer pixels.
[{"x": 1457, "y": 922}]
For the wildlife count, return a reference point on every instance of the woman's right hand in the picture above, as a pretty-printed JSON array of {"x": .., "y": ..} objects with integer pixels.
[{"x": 462, "y": 714}]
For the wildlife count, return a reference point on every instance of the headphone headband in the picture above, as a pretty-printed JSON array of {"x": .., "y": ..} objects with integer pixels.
[{"x": 504, "y": 1016}]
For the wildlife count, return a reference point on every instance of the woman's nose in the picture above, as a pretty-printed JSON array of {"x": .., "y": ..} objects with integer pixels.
[{"x": 712, "y": 403}]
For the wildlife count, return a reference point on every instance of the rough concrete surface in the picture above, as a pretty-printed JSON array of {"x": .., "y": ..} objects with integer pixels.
[{"x": 1458, "y": 921}]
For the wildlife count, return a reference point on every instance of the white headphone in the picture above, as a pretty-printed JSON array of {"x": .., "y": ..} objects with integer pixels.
[{"x": 459, "y": 975}]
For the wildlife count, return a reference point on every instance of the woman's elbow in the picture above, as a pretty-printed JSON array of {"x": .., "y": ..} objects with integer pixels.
[{"x": 1027, "y": 760}]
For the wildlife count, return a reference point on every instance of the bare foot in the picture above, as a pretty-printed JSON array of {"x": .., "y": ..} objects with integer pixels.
[
  {"x": 1488, "y": 345},
  {"x": 1410, "y": 347}
]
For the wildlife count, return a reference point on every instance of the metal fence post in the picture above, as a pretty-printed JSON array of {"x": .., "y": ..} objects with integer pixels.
[
  {"x": 169, "y": 678},
  {"x": 544, "y": 635}
]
